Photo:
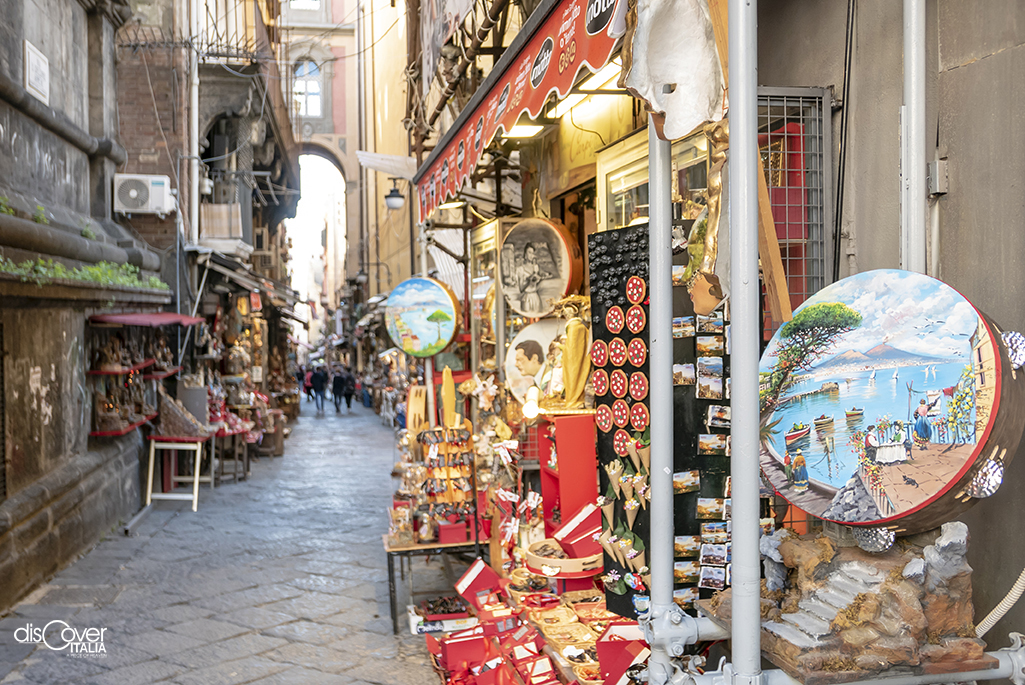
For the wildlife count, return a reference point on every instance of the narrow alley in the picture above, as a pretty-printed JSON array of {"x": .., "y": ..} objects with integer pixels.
[{"x": 278, "y": 580}]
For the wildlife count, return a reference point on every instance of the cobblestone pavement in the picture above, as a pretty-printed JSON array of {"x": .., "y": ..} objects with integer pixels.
[{"x": 281, "y": 579}]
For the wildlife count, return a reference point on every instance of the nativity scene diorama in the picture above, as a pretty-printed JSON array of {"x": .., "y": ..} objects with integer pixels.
[{"x": 881, "y": 403}]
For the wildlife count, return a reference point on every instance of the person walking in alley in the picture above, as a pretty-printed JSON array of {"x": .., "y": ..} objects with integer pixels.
[
  {"x": 337, "y": 388},
  {"x": 348, "y": 387},
  {"x": 319, "y": 382},
  {"x": 308, "y": 384}
]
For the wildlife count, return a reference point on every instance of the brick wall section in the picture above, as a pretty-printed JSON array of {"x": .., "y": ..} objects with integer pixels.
[{"x": 141, "y": 134}]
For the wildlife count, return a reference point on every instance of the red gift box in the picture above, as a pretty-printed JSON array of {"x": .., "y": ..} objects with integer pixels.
[
  {"x": 536, "y": 670},
  {"x": 478, "y": 579},
  {"x": 499, "y": 674},
  {"x": 619, "y": 647},
  {"x": 451, "y": 532},
  {"x": 463, "y": 650},
  {"x": 576, "y": 535},
  {"x": 524, "y": 635},
  {"x": 498, "y": 618}
]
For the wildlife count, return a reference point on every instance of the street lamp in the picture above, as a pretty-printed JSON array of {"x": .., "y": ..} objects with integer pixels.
[{"x": 394, "y": 199}]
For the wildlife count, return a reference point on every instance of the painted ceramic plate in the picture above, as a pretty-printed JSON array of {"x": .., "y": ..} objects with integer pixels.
[
  {"x": 636, "y": 319},
  {"x": 619, "y": 442},
  {"x": 614, "y": 320},
  {"x": 599, "y": 353},
  {"x": 635, "y": 289},
  {"x": 617, "y": 352},
  {"x": 638, "y": 386},
  {"x": 422, "y": 316},
  {"x": 539, "y": 263},
  {"x": 620, "y": 413},
  {"x": 639, "y": 417},
  {"x": 600, "y": 382},
  {"x": 637, "y": 352},
  {"x": 618, "y": 383},
  {"x": 603, "y": 418}
]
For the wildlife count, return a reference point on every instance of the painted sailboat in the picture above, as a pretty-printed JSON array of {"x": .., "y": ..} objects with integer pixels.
[{"x": 895, "y": 374}]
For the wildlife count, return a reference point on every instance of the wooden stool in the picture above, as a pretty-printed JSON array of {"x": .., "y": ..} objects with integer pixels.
[
  {"x": 189, "y": 443},
  {"x": 226, "y": 443}
]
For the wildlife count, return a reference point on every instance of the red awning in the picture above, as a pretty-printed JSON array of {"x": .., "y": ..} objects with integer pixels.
[
  {"x": 153, "y": 319},
  {"x": 559, "y": 39}
]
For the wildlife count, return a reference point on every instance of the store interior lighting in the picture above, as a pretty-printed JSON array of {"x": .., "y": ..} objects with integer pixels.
[
  {"x": 454, "y": 204},
  {"x": 606, "y": 75},
  {"x": 524, "y": 131}
]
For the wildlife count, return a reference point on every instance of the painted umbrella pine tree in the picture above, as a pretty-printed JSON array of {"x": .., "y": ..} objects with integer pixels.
[
  {"x": 885, "y": 385},
  {"x": 422, "y": 316}
]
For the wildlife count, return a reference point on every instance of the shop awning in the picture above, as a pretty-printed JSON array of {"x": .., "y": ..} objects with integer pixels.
[
  {"x": 254, "y": 282},
  {"x": 560, "y": 38},
  {"x": 150, "y": 319},
  {"x": 393, "y": 165}
]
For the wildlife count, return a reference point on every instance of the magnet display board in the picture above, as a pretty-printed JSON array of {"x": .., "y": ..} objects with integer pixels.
[
  {"x": 884, "y": 400},
  {"x": 422, "y": 316}
]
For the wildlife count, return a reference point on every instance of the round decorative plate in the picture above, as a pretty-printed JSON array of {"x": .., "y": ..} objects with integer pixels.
[
  {"x": 635, "y": 319},
  {"x": 638, "y": 386},
  {"x": 600, "y": 382},
  {"x": 603, "y": 418},
  {"x": 620, "y": 413},
  {"x": 637, "y": 352},
  {"x": 619, "y": 442},
  {"x": 540, "y": 263},
  {"x": 617, "y": 351},
  {"x": 618, "y": 383},
  {"x": 614, "y": 320},
  {"x": 639, "y": 417},
  {"x": 599, "y": 353},
  {"x": 636, "y": 289},
  {"x": 527, "y": 353},
  {"x": 422, "y": 316},
  {"x": 912, "y": 394}
]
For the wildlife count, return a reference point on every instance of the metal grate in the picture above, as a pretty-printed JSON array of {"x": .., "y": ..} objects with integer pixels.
[{"x": 793, "y": 135}]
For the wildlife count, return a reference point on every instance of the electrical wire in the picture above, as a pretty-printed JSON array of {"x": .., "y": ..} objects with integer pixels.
[
  {"x": 160, "y": 127},
  {"x": 852, "y": 11},
  {"x": 585, "y": 130}
]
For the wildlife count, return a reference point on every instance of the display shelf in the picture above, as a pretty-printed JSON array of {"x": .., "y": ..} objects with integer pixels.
[
  {"x": 123, "y": 431},
  {"x": 123, "y": 372},
  {"x": 567, "y": 575},
  {"x": 550, "y": 471},
  {"x": 161, "y": 375},
  {"x": 574, "y": 445}
]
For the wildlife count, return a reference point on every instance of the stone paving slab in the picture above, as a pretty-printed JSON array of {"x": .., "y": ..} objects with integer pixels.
[{"x": 277, "y": 580}]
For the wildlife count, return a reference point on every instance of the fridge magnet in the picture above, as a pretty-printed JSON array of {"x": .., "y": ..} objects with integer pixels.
[
  {"x": 710, "y": 324},
  {"x": 617, "y": 351},
  {"x": 727, "y": 508},
  {"x": 710, "y": 380},
  {"x": 603, "y": 418},
  {"x": 679, "y": 274},
  {"x": 728, "y": 488},
  {"x": 637, "y": 352},
  {"x": 686, "y": 571},
  {"x": 636, "y": 319},
  {"x": 710, "y": 346},
  {"x": 686, "y": 481},
  {"x": 728, "y": 388},
  {"x": 639, "y": 417},
  {"x": 619, "y": 442},
  {"x": 683, "y": 327},
  {"x": 618, "y": 383},
  {"x": 712, "y": 443},
  {"x": 713, "y": 555},
  {"x": 599, "y": 353},
  {"x": 709, "y": 508},
  {"x": 729, "y": 348},
  {"x": 716, "y": 532},
  {"x": 718, "y": 416},
  {"x": 712, "y": 578},
  {"x": 686, "y": 546},
  {"x": 686, "y": 596},
  {"x": 638, "y": 386},
  {"x": 620, "y": 413},
  {"x": 636, "y": 289},
  {"x": 614, "y": 320},
  {"x": 768, "y": 526},
  {"x": 600, "y": 382},
  {"x": 683, "y": 374}
]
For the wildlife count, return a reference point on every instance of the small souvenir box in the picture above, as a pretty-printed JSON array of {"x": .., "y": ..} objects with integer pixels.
[
  {"x": 499, "y": 673},
  {"x": 536, "y": 670},
  {"x": 576, "y": 536},
  {"x": 463, "y": 649},
  {"x": 621, "y": 646},
  {"x": 524, "y": 636},
  {"x": 480, "y": 579},
  {"x": 498, "y": 618}
]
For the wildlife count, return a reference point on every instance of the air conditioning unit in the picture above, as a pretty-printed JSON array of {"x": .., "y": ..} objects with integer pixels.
[{"x": 139, "y": 194}]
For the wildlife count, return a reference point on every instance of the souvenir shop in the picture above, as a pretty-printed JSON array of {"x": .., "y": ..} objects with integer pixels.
[{"x": 579, "y": 439}]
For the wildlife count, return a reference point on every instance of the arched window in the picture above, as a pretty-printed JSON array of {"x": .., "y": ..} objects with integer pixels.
[{"x": 306, "y": 90}]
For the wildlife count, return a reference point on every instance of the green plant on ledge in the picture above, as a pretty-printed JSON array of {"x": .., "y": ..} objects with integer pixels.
[
  {"x": 43, "y": 271},
  {"x": 5, "y": 206},
  {"x": 88, "y": 233},
  {"x": 40, "y": 216}
]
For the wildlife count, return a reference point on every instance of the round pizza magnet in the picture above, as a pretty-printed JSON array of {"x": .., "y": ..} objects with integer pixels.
[
  {"x": 599, "y": 353},
  {"x": 618, "y": 383},
  {"x": 620, "y": 413},
  {"x": 639, "y": 417},
  {"x": 614, "y": 320},
  {"x": 603, "y": 418},
  {"x": 635, "y": 289},
  {"x": 617, "y": 351},
  {"x": 619, "y": 442},
  {"x": 600, "y": 381},
  {"x": 635, "y": 319},
  {"x": 638, "y": 386},
  {"x": 637, "y": 352}
]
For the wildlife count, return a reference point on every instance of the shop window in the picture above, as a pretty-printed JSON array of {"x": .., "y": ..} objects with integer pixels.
[
  {"x": 793, "y": 135},
  {"x": 307, "y": 89}
]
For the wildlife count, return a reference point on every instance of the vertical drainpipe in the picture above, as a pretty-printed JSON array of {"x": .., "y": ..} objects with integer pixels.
[
  {"x": 660, "y": 328},
  {"x": 194, "y": 123},
  {"x": 913, "y": 165},
  {"x": 745, "y": 316}
]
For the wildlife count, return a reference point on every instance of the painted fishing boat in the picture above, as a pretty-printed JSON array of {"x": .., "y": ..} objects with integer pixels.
[
  {"x": 854, "y": 413},
  {"x": 822, "y": 421},
  {"x": 799, "y": 431}
]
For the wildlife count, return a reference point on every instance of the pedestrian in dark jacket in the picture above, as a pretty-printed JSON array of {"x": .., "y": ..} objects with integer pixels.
[
  {"x": 348, "y": 388},
  {"x": 337, "y": 388},
  {"x": 319, "y": 381},
  {"x": 308, "y": 384}
]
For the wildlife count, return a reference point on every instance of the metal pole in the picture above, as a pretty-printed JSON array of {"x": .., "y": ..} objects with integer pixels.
[
  {"x": 194, "y": 123},
  {"x": 432, "y": 413},
  {"x": 913, "y": 170},
  {"x": 660, "y": 328},
  {"x": 745, "y": 316}
]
